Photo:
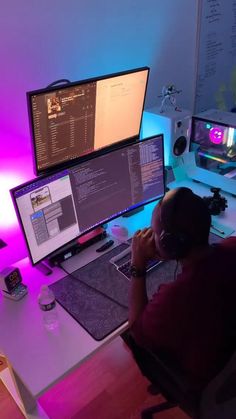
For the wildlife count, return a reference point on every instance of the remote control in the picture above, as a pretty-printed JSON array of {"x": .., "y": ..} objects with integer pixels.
[{"x": 105, "y": 246}]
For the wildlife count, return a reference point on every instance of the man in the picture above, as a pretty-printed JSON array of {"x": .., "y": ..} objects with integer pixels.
[{"x": 190, "y": 320}]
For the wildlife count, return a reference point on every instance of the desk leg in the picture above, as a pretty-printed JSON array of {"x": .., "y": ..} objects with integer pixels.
[{"x": 23, "y": 398}]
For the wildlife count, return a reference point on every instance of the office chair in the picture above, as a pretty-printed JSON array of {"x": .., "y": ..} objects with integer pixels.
[{"x": 216, "y": 401}]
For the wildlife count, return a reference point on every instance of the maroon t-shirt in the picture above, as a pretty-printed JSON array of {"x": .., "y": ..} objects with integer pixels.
[{"x": 193, "y": 319}]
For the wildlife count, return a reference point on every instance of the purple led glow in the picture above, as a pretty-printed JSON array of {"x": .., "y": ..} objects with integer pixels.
[
  {"x": 7, "y": 214},
  {"x": 15, "y": 169},
  {"x": 216, "y": 135}
]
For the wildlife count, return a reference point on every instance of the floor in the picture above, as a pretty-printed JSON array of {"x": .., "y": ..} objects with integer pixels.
[{"x": 108, "y": 386}]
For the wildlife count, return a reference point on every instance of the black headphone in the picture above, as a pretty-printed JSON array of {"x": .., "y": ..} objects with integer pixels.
[{"x": 175, "y": 245}]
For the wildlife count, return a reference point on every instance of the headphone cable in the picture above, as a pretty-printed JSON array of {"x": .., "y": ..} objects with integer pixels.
[{"x": 176, "y": 269}]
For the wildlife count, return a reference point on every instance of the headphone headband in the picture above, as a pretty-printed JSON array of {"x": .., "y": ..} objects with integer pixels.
[{"x": 175, "y": 244}]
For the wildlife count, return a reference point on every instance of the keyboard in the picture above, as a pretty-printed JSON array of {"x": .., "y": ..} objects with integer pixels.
[{"x": 125, "y": 267}]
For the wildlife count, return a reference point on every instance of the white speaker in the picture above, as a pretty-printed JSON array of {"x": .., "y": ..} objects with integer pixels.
[{"x": 176, "y": 127}]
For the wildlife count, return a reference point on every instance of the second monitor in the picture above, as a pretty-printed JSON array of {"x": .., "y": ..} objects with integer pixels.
[{"x": 56, "y": 209}]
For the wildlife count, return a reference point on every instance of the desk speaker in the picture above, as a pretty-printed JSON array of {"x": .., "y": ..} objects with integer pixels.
[{"x": 176, "y": 127}]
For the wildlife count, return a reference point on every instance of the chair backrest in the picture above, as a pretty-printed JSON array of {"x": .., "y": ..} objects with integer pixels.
[
  {"x": 175, "y": 385},
  {"x": 172, "y": 383},
  {"x": 218, "y": 399}
]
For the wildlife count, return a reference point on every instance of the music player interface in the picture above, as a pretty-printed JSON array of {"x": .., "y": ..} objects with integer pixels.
[{"x": 73, "y": 121}]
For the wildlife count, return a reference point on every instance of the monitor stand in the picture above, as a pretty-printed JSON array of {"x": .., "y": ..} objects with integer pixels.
[
  {"x": 134, "y": 211},
  {"x": 44, "y": 268},
  {"x": 77, "y": 246}
]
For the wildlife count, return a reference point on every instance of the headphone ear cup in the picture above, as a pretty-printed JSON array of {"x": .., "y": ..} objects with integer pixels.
[
  {"x": 166, "y": 243},
  {"x": 174, "y": 245}
]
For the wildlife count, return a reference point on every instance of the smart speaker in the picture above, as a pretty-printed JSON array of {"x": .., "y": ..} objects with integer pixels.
[{"x": 176, "y": 127}]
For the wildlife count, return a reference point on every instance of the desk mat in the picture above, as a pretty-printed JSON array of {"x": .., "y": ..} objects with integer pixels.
[{"x": 96, "y": 295}]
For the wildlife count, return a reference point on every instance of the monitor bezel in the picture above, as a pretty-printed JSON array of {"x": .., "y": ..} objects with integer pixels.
[
  {"x": 49, "y": 89},
  {"x": 92, "y": 156}
]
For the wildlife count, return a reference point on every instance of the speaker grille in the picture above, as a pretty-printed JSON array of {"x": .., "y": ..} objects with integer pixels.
[{"x": 180, "y": 146}]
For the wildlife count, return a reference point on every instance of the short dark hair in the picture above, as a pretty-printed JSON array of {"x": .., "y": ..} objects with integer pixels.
[{"x": 186, "y": 212}]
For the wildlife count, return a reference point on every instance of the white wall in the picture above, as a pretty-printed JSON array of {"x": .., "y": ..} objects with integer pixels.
[{"x": 42, "y": 41}]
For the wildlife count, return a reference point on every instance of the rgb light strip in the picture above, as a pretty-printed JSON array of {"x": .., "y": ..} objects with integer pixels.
[{"x": 208, "y": 156}]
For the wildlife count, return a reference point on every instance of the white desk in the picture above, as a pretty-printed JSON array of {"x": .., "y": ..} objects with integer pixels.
[{"x": 41, "y": 358}]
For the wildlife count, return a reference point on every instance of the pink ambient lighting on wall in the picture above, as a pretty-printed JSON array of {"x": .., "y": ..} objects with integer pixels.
[
  {"x": 216, "y": 135},
  {"x": 7, "y": 214},
  {"x": 15, "y": 170}
]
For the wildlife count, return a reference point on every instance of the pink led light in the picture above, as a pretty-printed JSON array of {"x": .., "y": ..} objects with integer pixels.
[
  {"x": 216, "y": 135},
  {"x": 15, "y": 169},
  {"x": 7, "y": 214}
]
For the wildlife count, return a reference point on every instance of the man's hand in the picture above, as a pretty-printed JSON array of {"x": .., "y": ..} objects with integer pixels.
[{"x": 143, "y": 248}]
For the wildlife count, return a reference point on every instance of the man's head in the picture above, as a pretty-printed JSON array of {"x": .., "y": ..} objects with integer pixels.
[{"x": 181, "y": 221}]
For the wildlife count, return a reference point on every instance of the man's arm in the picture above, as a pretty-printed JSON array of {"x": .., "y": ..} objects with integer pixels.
[
  {"x": 143, "y": 249},
  {"x": 137, "y": 298}
]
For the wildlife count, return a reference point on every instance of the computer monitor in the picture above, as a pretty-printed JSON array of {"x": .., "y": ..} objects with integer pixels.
[
  {"x": 70, "y": 121},
  {"x": 55, "y": 209}
]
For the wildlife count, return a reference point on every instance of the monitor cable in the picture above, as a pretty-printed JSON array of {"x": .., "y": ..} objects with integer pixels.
[
  {"x": 93, "y": 288},
  {"x": 56, "y": 82}
]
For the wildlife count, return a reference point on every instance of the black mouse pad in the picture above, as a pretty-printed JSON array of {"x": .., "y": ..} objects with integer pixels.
[{"x": 96, "y": 295}]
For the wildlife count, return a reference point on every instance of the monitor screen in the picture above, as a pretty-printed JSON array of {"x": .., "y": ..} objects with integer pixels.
[
  {"x": 214, "y": 144},
  {"x": 58, "y": 208},
  {"x": 73, "y": 120}
]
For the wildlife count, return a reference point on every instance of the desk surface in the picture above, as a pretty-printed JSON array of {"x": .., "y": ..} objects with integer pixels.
[
  {"x": 227, "y": 217},
  {"x": 41, "y": 357}
]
